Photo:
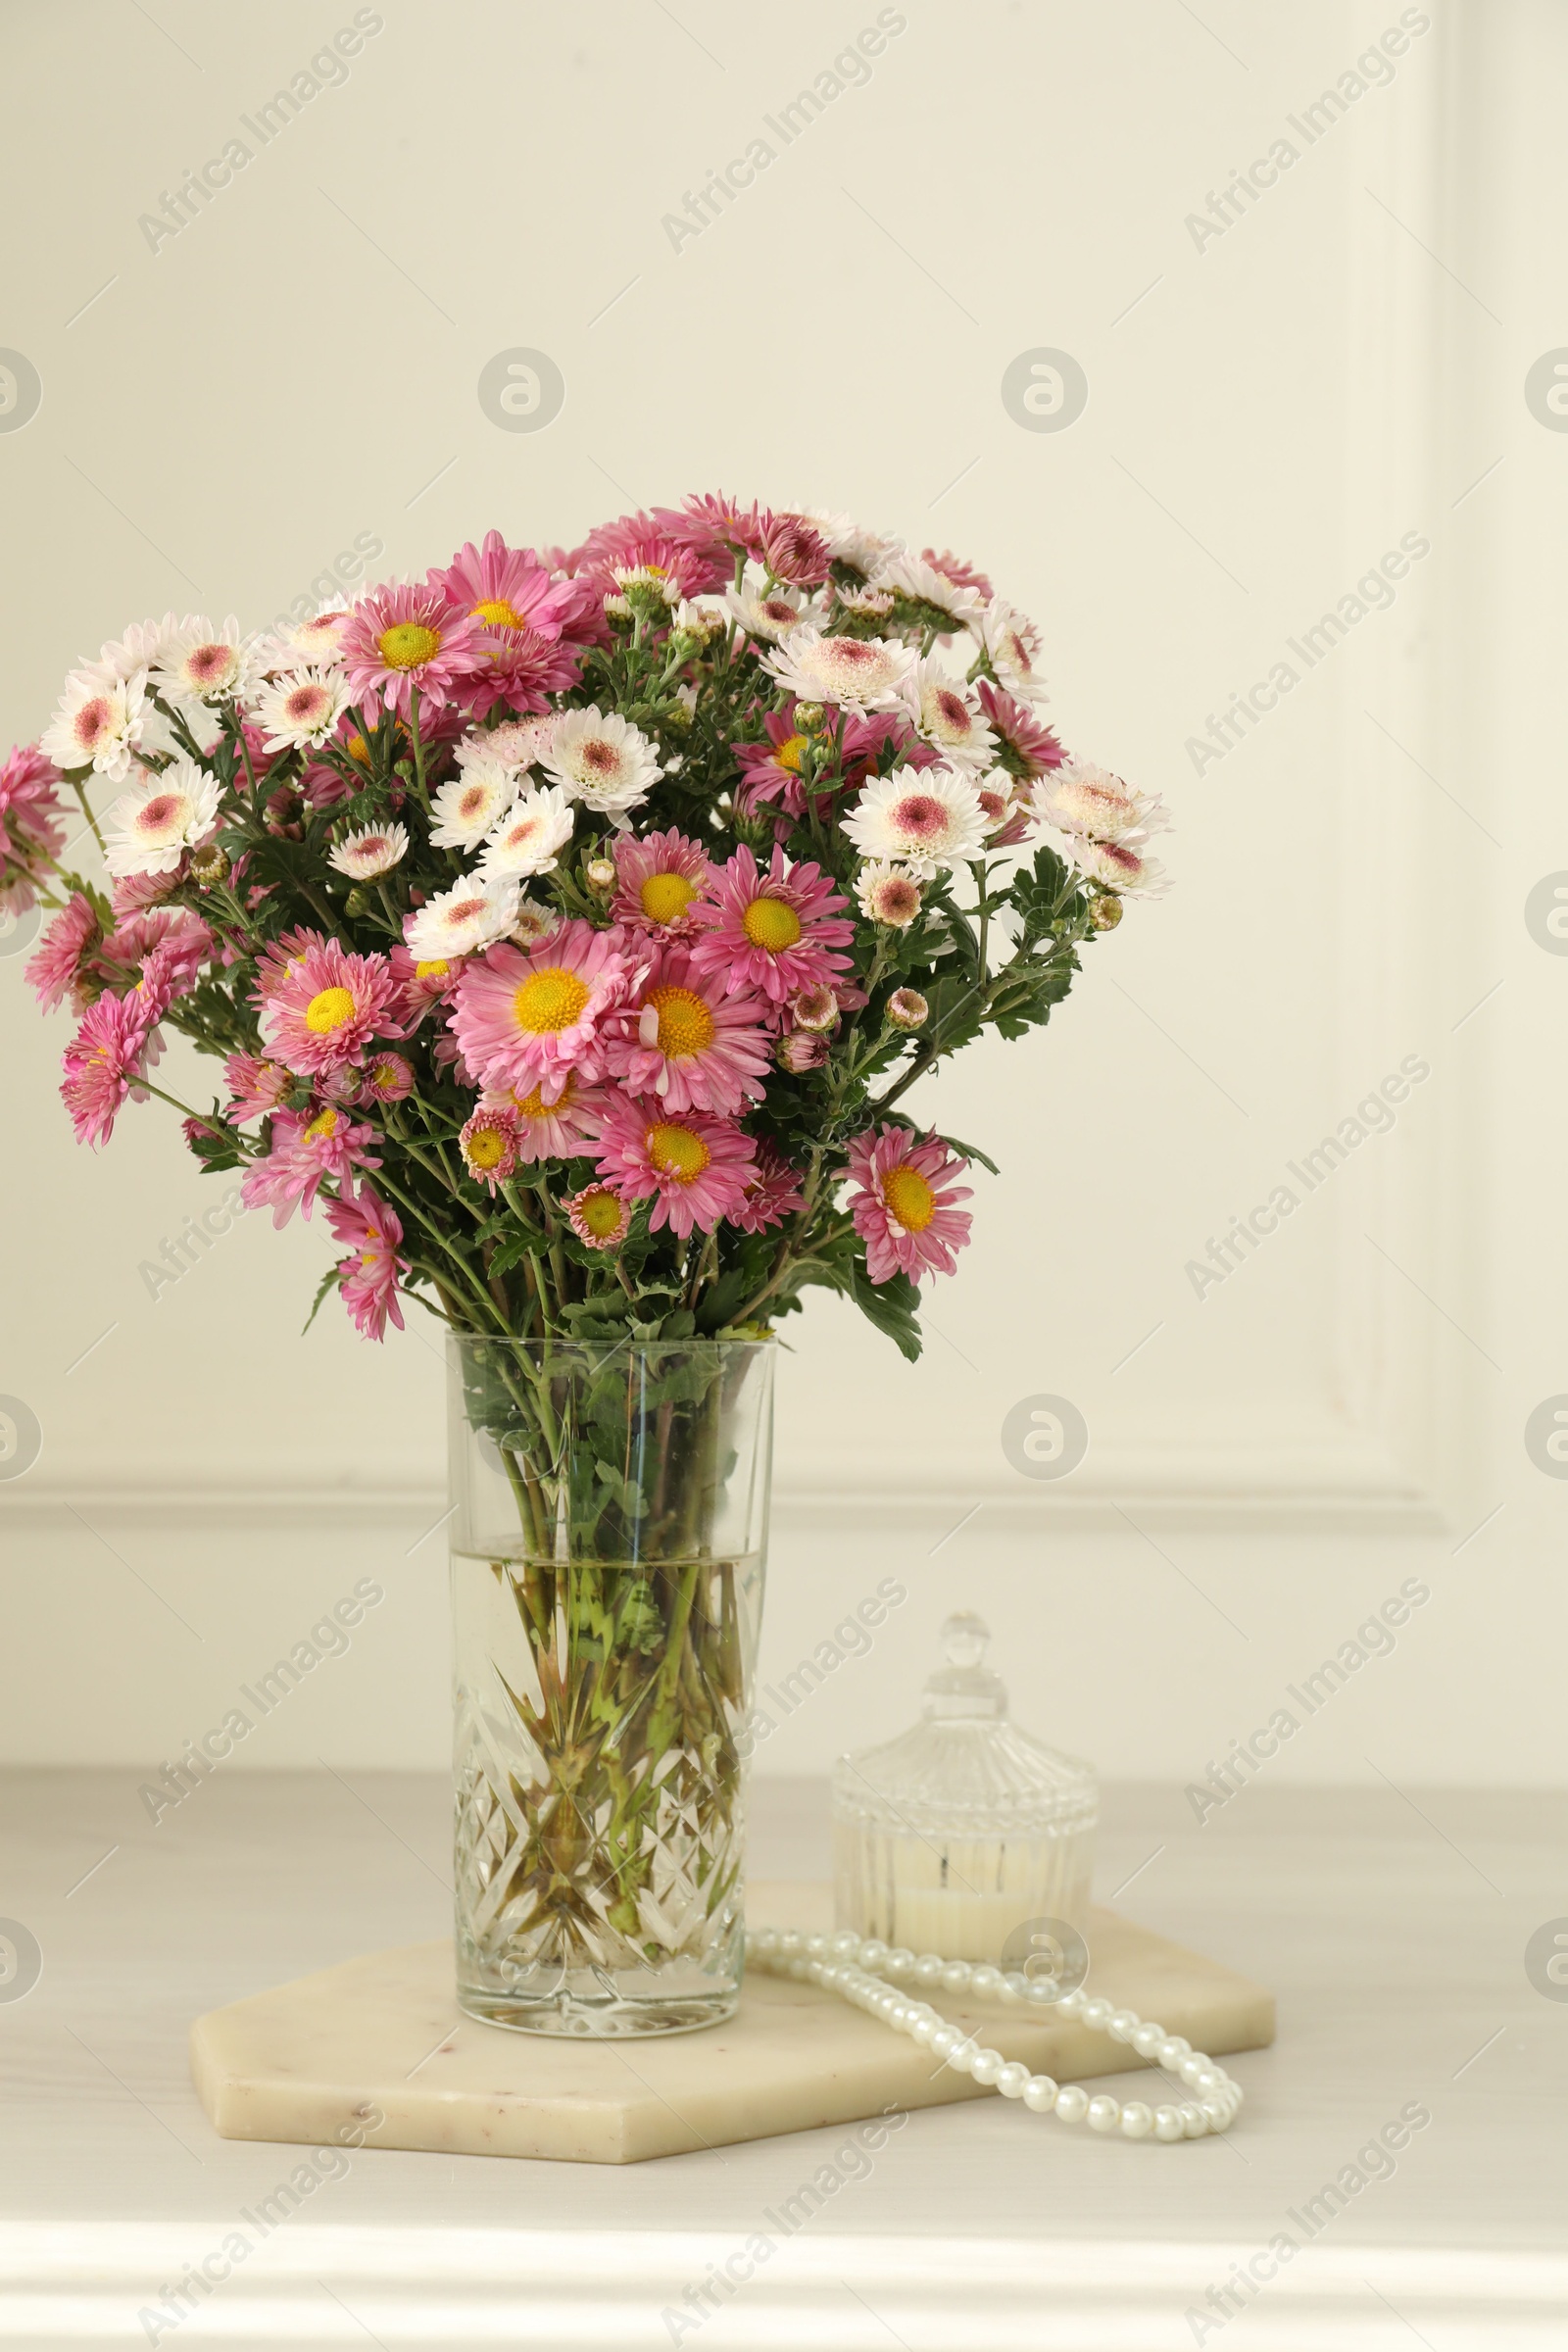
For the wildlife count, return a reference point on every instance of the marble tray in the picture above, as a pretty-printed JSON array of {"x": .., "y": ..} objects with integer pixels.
[{"x": 319, "y": 2061}]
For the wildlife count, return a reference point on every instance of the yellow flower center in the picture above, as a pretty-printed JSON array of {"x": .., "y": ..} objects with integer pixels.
[
  {"x": 665, "y": 897},
  {"x": 436, "y": 969},
  {"x": 498, "y": 615},
  {"x": 328, "y": 1010},
  {"x": 788, "y": 753},
  {"x": 534, "y": 1105},
  {"x": 909, "y": 1198},
  {"x": 685, "y": 1024},
  {"x": 601, "y": 1212},
  {"x": 676, "y": 1151},
  {"x": 549, "y": 1001},
  {"x": 486, "y": 1148},
  {"x": 408, "y": 644},
  {"x": 768, "y": 923},
  {"x": 326, "y": 1124},
  {"x": 359, "y": 748}
]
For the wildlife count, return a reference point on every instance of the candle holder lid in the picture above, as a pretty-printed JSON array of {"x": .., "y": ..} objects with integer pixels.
[{"x": 966, "y": 1768}]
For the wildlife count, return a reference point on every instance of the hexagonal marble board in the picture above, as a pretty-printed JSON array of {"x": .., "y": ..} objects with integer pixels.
[{"x": 308, "y": 2062}]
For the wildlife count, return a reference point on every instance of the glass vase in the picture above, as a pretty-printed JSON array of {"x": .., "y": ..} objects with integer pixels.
[{"x": 608, "y": 1529}]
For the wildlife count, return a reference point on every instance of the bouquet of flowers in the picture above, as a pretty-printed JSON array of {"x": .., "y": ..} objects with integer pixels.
[{"x": 572, "y": 926}]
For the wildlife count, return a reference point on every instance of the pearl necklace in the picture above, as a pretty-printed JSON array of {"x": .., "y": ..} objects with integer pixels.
[{"x": 854, "y": 1967}]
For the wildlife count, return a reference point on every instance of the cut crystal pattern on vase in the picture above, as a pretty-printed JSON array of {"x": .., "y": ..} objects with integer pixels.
[{"x": 610, "y": 1522}]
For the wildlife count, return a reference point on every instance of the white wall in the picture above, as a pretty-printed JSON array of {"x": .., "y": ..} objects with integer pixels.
[{"x": 1268, "y": 415}]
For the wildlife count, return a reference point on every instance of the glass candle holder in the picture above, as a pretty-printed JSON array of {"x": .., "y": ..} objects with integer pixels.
[{"x": 964, "y": 1831}]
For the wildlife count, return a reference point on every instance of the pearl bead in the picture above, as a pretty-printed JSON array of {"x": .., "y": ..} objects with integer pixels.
[
  {"x": 928, "y": 1968},
  {"x": 1040, "y": 2094},
  {"x": 1122, "y": 2025},
  {"x": 1014, "y": 2081},
  {"x": 1191, "y": 2068},
  {"x": 1042, "y": 1993},
  {"x": 1207, "y": 2079},
  {"x": 1014, "y": 1986},
  {"x": 1217, "y": 2113},
  {"x": 985, "y": 1980},
  {"x": 1069, "y": 2004},
  {"x": 923, "y": 2028},
  {"x": 944, "y": 2041},
  {"x": 1147, "y": 2039},
  {"x": 1097, "y": 2014},
  {"x": 846, "y": 1943},
  {"x": 873, "y": 1952},
  {"x": 1137, "y": 2120},
  {"x": 1173, "y": 2049},
  {"x": 1104, "y": 2114},
  {"x": 815, "y": 1947},
  {"x": 899, "y": 1962},
  {"x": 791, "y": 1944},
  {"x": 764, "y": 1940},
  {"x": 1167, "y": 2123},
  {"x": 1073, "y": 2103},
  {"x": 1194, "y": 2122},
  {"x": 956, "y": 1975},
  {"x": 985, "y": 2066}
]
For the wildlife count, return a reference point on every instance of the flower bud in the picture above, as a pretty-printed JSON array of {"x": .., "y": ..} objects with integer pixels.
[
  {"x": 815, "y": 1009},
  {"x": 800, "y": 1052},
  {"x": 908, "y": 1008},
  {"x": 1105, "y": 912},
  {"x": 808, "y": 717},
  {"x": 210, "y": 864},
  {"x": 599, "y": 875}
]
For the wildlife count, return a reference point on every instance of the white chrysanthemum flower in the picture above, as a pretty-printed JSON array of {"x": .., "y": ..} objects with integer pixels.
[
  {"x": 766, "y": 613},
  {"x": 601, "y": 760},
  {"x": 1123, "y": 866},
  {"x": 305, "y": 644},
  {"x": 699, "y": 616},
  {"x": 532, "y": 921},
  {"x": 910, "y": 575},
  {"x": 472, "y": 914},
  {"x": 947, "y": 713},
  {"x": 1013, "y": 641},
  {"x": 862, "y": 673},
  {"x": 149, "y": 829},
  {"x": 1082, "y": 800},
  {"x": 200, "y": 664},
  {"x": 374, "y": 849},
  {"x": 535, "y": 828},
  {"x": 517, "y": 744},
  {"x": 849, "y": 541},
  {"x": 925, "y": 817},
  {"x": 97, "y": 724},
  {"x": 299, "y": 710},
  {"x": 866, "y": 602},
  {"x": 644, "y": 575},
  {"x": 138, "y": 649},
  {"x": 470, "y": 802},
  {"x": 888, "y": 894}
]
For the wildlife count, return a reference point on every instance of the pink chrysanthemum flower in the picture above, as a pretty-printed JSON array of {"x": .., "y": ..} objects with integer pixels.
[
  {"x": 526, "y": 1018},
  {"x": 904, "y": 1210},
  {"x": 53, "y": 969},
  {"x": 694, "y": 1169},
  {"x": 520, "y": 670},
  {"x": 635, "y": 541},
  {"x": 773, "y": 1195},
  {"x": 1006, "y": 808},
  {"x": 132, "y": 894},
  {"x": 563, "y": 1128},
  {"x": 170, "y": 942},
  {"x": 961, "y": 574},
  {"x": 404, "y": 638},
  {"x": 307, "y": 1152},
  {"x": 600, "y": 1217},
  {"x": 326, "y": 1007},
  {"x": 420, "y": 984},
  {"x": 657, "y": 881},
  {"x": 255, "y": 1087},
  {"x": 793, "y": 551},
  {"x": 777, "y": 929},
  {"x": 29, "y": 815},
  {"x": 1025, "y": 746},
  {"x": 489, "y": 1145},
  {"x": 716, "y": 526},
  {"x": 683, "y": 1039},
  {"x": 279, "y": 957},
  {"x": 387, "y": 1078},
  {"x": 502, "y": 587},
  {"x": 771, "y": 770},
  {"x": 105, "y": 1062},
  {"x": 370, "y": 1276}
]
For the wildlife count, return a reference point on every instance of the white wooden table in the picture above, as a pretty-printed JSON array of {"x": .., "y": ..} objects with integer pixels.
[{"x": 1394, "y": 1938}]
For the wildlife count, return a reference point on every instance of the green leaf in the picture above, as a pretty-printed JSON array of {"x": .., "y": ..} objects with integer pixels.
[
  {"x": 328, "y": 1282},
  {"x": 893, "y": 1306},
  {"x": 970, "y": 1151}
]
